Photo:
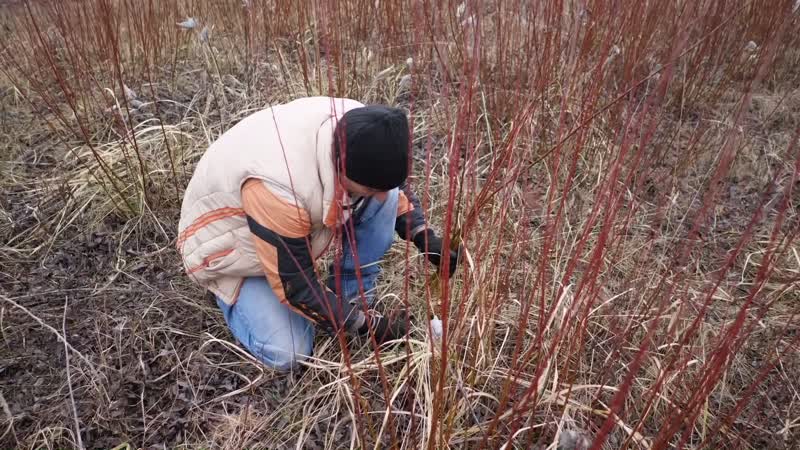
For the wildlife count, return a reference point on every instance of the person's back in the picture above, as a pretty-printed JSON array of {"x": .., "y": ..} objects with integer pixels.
[{"x": 266, "y": 143}]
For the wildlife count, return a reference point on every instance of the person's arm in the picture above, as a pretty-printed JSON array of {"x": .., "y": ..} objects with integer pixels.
[
  {"x": 411, "y": 226},
  {"x": 281, "y": 232},
  {"x": 410, "y": 220}
]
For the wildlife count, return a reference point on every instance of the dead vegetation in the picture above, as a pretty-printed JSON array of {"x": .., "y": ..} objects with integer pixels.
[{"x": 624, "y": 176}]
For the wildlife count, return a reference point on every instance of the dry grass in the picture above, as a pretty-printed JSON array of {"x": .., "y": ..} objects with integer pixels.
[{"x": 624, "y": 178}]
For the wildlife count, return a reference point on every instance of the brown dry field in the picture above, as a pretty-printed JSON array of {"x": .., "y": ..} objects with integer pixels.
[{"x": 152, "y": 363}]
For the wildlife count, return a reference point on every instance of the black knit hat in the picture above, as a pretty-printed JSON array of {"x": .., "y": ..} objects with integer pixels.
[{"x": 373, "y": 141}]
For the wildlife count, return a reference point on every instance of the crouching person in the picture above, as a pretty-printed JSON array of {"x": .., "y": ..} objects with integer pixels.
[{"x": 266, "y": 200}]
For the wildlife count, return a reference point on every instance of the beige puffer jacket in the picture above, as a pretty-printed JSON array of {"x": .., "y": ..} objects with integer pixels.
[{"x": 289, "y": 147}]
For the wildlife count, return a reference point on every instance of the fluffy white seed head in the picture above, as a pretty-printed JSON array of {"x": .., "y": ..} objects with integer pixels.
[
  {"x": 383, "y": 74},
  {"x": 367, "y": 54},
  {"x": 130, "y": 94},
  {"x": 436, "y": 327},
  {"x": 405, "y": 83},
  {"x": 613, "y": 53},
  {"x": 573, "y": 440},
  {"x": 188, "y": 24}
]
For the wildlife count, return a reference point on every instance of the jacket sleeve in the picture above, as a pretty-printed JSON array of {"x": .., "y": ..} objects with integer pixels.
[
  {"x": 281, "y": 233},
  {"x": 410, "y": 220}
]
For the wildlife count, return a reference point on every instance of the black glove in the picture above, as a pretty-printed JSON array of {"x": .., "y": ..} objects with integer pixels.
[
  {"x": 390, "y": 327},
  {"x": 434, "y": 250}
]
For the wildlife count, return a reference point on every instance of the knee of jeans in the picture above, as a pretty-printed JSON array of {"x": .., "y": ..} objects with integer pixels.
[{"x": 283, "y": 358}]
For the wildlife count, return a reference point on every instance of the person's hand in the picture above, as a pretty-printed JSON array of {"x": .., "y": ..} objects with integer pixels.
[
  {"x": 389, "y": 327},
  {"x": 434, "y": 249}
]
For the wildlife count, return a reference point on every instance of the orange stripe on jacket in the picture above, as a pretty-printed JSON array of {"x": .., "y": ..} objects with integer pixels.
[
  {"x": 207, "y": 260},
  {"x": 273, "y": 212},
  {"x": 283, "y": 218},
  {"x": 205, "y": 220}
]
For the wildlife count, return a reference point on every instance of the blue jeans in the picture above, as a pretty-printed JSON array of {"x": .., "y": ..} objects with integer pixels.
[{"x": 280, "y": 337}]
